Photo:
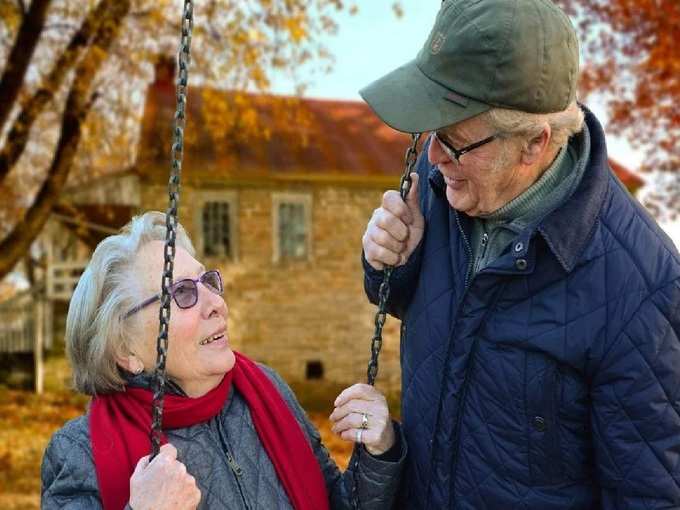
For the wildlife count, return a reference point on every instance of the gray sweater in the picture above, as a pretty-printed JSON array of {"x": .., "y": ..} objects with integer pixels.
[{"x": 248, "y": 481}]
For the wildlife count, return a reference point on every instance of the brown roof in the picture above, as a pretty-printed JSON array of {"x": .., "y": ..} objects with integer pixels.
[
  {"x": 309, "y": 137},
  {"x": 628, "y": 178},
  {"x": 305, "y": 136}
]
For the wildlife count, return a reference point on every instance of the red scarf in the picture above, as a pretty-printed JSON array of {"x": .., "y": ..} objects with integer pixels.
[{"x": 120, "y": 422}]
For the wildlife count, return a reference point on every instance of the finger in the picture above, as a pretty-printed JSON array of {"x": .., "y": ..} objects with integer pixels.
[
  {"x": 393, "y": 202},
  {"x": 356, "y": 391},
  {"x": 384, "y": 239},
  {"x": 351, "y": 421},
  {"x": 353, "y": 406},
  {"x": 413, "y": 199},
  {"x": 392, "y": 223},
  {"x": 167, "y": 451},
  {"x": 382, "y": 255},
  {"x": 141, "y": 464},
  {"x": 367, "y": 436}
]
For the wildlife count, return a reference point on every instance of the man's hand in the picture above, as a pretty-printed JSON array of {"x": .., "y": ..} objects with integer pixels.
[
  {"x": 163, "y": 483},
  {"x": 395, "y": 229}
]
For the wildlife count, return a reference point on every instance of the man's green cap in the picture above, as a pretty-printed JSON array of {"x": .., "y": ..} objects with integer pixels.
[{"x": 516, "y": 54}]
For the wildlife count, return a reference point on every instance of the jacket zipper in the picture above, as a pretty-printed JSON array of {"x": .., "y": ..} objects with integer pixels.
[
  {"x": 468, "y": 274},
  {"x": 234, "y": 466},
  {"x": 453, "y": 327}
]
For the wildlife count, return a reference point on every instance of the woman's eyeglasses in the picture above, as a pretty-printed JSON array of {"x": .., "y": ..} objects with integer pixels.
[
  {"x": 454, "y": 153},
  {"x": 185, "y": 291}
]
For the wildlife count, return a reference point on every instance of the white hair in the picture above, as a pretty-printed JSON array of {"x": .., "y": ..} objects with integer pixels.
[
  {"x": 95, "y": 330},
  {"x": 515, "y": 123}
]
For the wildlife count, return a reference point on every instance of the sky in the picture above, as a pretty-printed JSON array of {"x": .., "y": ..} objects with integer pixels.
[{"x": 374, "y": 41}]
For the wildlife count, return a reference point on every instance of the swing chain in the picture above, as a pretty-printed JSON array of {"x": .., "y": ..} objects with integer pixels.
[
  {"x": 384, "y": 290},
  {"x": 184, "y": 58},
  {"x": 381, "y": 315}
]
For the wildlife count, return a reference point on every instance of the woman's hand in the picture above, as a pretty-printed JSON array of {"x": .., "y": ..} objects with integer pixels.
[
  {"x": 361, "y": 415},
  {"x": 163, "y": 483}
]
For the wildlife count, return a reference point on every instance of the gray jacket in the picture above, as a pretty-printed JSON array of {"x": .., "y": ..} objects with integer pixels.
[{"x": 227, "y": 459}]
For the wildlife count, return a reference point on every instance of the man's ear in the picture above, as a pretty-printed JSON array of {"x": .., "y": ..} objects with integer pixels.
[{"x": 536, "y": 147}]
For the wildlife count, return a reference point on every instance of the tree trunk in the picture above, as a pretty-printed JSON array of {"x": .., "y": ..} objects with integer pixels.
[
  {"x": 20, "y": 56},
  {"x": 78, "y": 103},
  {"x": 33, "y": 107}
]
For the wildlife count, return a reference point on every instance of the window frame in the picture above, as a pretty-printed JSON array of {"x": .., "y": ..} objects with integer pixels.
[
  {"x": 226, "y": 196},
  {"x": 281, "y": 198}
]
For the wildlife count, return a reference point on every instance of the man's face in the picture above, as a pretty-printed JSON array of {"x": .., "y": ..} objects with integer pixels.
[{"x": 487, "y": 177}]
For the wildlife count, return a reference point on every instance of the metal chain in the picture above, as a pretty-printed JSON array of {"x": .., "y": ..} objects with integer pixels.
[
  {"x": 381, "y": 315},
  {"x": 183, "y": 59}
]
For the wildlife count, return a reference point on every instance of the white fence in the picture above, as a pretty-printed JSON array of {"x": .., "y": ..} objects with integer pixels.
[
  {"x": 18, "y": 324},
  {"x": 62, "y": 278}
]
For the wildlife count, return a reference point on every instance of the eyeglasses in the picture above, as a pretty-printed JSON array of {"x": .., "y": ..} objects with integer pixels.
[
  {"x": 185, "y": 291},
  {"x": 454, "y": 153}
]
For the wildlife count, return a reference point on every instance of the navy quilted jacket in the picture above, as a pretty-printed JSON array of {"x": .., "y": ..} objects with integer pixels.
[{"x": 551, "y": 379}]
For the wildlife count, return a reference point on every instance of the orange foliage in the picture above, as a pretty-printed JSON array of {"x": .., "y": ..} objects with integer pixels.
[{"x": 632, "y": 58}]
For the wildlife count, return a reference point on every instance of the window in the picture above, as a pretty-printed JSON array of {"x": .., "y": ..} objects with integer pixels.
[
  {"x": 217, "y": 225},
  {"x": 292, "y": 223},
  {"x": 314, "y": 370},
  {"x": 217, "y": 230}
]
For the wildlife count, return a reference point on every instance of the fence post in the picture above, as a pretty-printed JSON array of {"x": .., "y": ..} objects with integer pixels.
[{"x": 39, "y": 333}]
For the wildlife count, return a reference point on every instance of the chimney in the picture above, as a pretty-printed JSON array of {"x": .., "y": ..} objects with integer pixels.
[{"x": 164, "y": 83}]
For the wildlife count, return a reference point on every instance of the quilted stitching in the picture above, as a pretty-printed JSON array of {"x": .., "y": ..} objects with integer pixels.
[{"x": 592, "y": 352}]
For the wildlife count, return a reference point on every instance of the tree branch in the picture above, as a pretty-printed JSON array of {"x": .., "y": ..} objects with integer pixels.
[
  {"x": 31, "y": 26},
  {"x": 33, "y": 107},
  {"x": 17, "y": 243}
]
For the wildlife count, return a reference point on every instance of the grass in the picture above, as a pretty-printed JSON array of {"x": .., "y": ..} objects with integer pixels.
[{"x": 27, "y": 422}]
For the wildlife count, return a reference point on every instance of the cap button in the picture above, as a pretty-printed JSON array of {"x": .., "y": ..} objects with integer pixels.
[
  {"x": 539, "y": 423},
  {"x": 521, "y": 264}
]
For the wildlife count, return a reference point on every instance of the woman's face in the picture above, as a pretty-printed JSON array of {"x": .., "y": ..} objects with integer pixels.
[{"x": 198, "y": 347}]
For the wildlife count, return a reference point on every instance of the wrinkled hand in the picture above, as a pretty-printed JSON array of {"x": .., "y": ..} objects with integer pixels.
[
  {"x": 395, "y": 229},
  {"x": 163, "y": 483},
  {"x": 351, "y": 404}
]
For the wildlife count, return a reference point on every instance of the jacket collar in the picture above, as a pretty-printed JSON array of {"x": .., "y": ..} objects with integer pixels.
[{"x": 567, "y": 229}]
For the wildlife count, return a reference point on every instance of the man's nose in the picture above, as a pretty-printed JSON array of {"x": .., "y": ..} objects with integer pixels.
[{"x": 435, "y": 153}]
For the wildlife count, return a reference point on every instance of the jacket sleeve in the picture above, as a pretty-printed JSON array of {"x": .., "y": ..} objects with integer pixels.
[
  {"x": 69, "y": 480},
  {"x": 378, "y": 480},
  {"x": 636, "y": 408},
  {"x": 404, "y": 278}
]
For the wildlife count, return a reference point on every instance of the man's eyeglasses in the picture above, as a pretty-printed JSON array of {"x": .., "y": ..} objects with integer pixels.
[
  {"x": 185, "y": 291},
  {"x": 454, "y": 153}
]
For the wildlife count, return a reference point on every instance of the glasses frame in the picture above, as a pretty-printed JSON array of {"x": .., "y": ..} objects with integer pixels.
[
  {"x": 454, "y": 153},
  {"x": 174, "y": 287}
]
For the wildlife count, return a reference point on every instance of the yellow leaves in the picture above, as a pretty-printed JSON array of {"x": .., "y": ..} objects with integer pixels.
[{"x": 297, "y": 28}]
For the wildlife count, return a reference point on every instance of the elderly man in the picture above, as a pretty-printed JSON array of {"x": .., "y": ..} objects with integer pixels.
[{"x": 540, "y": 304}]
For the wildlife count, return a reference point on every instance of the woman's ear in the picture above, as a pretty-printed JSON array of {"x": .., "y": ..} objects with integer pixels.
[
  {"x": 535, "y": 148},
  {"x": 130, "y": 362}
]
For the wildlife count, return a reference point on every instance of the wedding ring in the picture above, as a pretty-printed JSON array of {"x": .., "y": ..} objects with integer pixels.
[
  {"x": 364, "y": 421},
  {"x": 359, "y": 432}
]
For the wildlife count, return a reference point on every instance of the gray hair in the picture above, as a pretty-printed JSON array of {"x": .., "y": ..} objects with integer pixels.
[
  {"x": 95, "y": 329},
  {"x": 562, "y": 124}
]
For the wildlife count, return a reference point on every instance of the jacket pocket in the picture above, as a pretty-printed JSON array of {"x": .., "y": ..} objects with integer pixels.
[{"x": 542, "y": 385}]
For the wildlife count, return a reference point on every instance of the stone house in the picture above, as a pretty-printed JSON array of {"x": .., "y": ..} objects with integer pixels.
[{"x": 281, "y": 216}]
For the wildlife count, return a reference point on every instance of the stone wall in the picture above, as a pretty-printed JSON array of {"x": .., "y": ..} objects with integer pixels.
[{"x": 289, "y": 313}]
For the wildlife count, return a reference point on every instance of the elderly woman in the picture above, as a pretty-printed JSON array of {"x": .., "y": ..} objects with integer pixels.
[{"x": 235, "y": 435}]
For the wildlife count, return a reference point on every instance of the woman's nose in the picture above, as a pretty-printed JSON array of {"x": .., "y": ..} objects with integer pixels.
[{"x": 211, "y": 302}]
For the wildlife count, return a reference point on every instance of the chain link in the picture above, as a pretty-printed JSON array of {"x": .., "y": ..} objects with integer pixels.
[
  {"x": 381, "y": 315},
  {"x": 183, "y": 59}
]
